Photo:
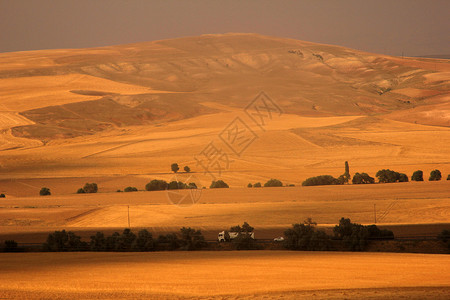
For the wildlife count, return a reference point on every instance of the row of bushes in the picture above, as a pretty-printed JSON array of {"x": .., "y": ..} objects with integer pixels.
[
  {"x": 355, "y": 237},
  {"x": 304, "y": 236},
  {"x": 383, "y": 176},
  {"x": 188, "y": 239}
]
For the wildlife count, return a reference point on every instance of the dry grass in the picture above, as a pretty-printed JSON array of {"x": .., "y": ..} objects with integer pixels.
[{"x": 229, "y": 275}]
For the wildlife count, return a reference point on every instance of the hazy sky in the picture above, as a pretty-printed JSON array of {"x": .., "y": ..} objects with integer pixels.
[{"x": 383, "y": 26}]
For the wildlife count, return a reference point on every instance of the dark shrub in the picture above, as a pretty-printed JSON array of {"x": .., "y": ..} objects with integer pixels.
[
  {"x": 444, "y": 237},
  {"x": 174, "y": 167},
  {"x": 144, "y": 241},
  {"x": 80, "y": 191},
  {"x": 435, "y": 175},
  {"x": 258, "y": 184},
  {"x": 45, "y": 192},
  {"x": 192, "y": 239},
  {"x": 249, "y": 185},
  {"x": 98, "y": 242},
  {"x": 169, "y": 242},
  {"x": 11, "y": 246},
  {"x": 129, "y": 189},
  {"x": 389, "y": 176},
  {"x": 187, "y": 169},
  {"x": 362, "y": 178},
  {"x": 305, "y": 237},
  {"x": 321, "y": 180},
  {"x": 273, "y": 183},
  {"x": 156, "y": 185},
  {"x": 218, "y": 184},
  {"x": 64, "y": 241},
  {"x": 417, "y": 176},
  {"x": 2, "y": 196},
  {"x": 90, "y": 188},
  {"x": 176, "y": 185}
]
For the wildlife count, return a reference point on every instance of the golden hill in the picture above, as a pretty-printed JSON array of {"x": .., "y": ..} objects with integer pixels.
[{"x": 135, "y": 109}]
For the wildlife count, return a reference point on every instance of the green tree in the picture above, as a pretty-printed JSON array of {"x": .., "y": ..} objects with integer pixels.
[
  {"x": 435, "y": 175},
  {"x": 187, "y": 169},
  {"x": 273, "y": 183},
  {"x": 174, "y": 167},
  {"x": 218, "y": 184},
  {"x": 45, "y": 192},
  {"x": 417, "y": 176}
]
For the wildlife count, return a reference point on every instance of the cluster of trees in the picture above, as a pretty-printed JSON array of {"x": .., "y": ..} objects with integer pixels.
[
  {"x": 175, "y": 168},
  {"x": 160, "y": 185},
  {"x": 322, "y": 180},
  {"x": 383, "y": 176},
  {"x": 187, "y": 239},
  {"x": 243, "y": 241},
  {"x": 89, "y": 188},
  {"x": 388, "y": 176},
  {"x": 218, "y": 184},
  {"x": 306, "y": 237},
  {"x": 271, "y": 183},
  {"x": 355, "y": 237}
]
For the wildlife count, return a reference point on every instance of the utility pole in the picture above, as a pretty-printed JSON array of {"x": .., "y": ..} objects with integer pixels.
[
  {"x": 129, "y": 217},
  {"x": 375, "y": 212}
]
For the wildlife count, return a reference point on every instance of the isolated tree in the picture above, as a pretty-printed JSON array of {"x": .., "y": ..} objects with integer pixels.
[
  {"x": 45, "y": 192},
  {"x": 258, "y": 184},
  {"x": 90, "y": 188},
  {"x": 129, "y": 189},
  {"x": 2, "y": 196},
  {"x": 417, "y": 176},
  {"x": 346, "y": 176},
  {"x": 249, "y": 185},
  {"x": 175, "y": 167},
  {"x": 273, "y": 183},
  {"x": 187, "y": 169},
  {"x": 435, "y": 175}
]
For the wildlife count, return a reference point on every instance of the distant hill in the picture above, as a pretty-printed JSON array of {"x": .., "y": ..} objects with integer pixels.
[
  {"x": 170, "y": 79},
  {"x": 440, "y": 56}
]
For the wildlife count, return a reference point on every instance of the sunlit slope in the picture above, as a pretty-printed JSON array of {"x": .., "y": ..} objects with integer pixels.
[{"x": 135, "y": 109}]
